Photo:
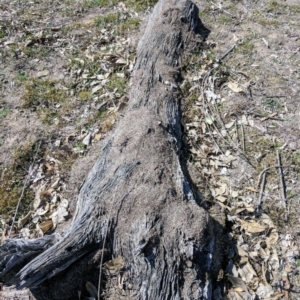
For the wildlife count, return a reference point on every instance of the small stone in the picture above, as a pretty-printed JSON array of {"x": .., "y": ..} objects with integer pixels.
[
  {"x": 87, "y": 140},
  {"x": 57, "y": 143}
]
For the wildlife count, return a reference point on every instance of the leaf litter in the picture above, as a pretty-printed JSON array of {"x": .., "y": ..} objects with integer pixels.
[{"x": 262, "y": 259}]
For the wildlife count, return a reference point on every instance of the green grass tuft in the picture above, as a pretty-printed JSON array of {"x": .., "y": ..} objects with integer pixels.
[
  {"x": 12, "y": 179},
  {"x": 117, "y": 20},
  {"x": 138, "y": 5},
  {"x": 3, "y": 113},
  {"x": 42, "y": 92},
  {"x": 117, "y": 83}
]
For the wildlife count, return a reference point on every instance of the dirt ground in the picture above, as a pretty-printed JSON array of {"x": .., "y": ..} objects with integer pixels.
[{"x": 64, "y": 74}]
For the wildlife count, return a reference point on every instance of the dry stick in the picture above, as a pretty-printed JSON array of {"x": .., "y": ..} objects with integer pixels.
[
  {"x": 222, "y": 9},
  {"x": 226, "y": 53},
  {"x": 262, "y": 188},
  {"x": 265, "y": 170},
  {"x": 23, "y": 191},
  {"x": 210, "y": 132},
  {"x": 243, "y": 138},
  {"x": 210, "y": 111},
  {"x": 205, "y": 104},
  {"x": 237, "y": 130},
  {"x": 203, "y": 97},
  {"x": 283, "y": 193},
  {"x": 216, "y": 143},
  {"x": 102, "y": 253}
]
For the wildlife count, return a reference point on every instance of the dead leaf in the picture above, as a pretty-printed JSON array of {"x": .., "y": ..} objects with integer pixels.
[
  {"x": 221, "y": 198},
  {"x": 252, "y": 227},
  {"x": 234, "y": 87},
  {"x": 96, "y": 89},
  {"x": 43, "y": 210},
  {"x": 276, "y": 296},
  {"x": 98, "y": 136},
  {"x": 238, "y": 284},
  {"x": 24, "y": 220},
  {"x": 222, "y": 189},
  {"x": 122, "y": 5},
  {"x": 229, "y": 125},
  {"x": 113, "y": 266},
  {"x": 264, "y": 290},
  {"x": 249, "y": 207},
  {"x": 238, "y": 289},
  {"x": 234, "y": 194},
  {"x": 81, "y": 61},
  {"x": 248, "y": 272},
  {"x": 209, "y": 120},
  {"x": 121, "y": 61},
  {"x": 286, "y": 285},
  {"x": 211, "y": 95},
  {"x": 46, "y": 225},
  {"x": 251, "y": 189},
  {"x": 241, "y": 251},
  {"x": 42, "y": 73}
]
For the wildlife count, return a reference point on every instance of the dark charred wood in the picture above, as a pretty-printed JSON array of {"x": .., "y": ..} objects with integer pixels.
[{"x": 138, "y": 191}]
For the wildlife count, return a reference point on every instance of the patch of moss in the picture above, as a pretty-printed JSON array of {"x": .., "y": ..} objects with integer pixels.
[
  {"x": 294, "y": 8},
  {"x": 101, "y": 3},
  {"x": 3, "y": 113},
  {"x": 128, "y": 25},
  {"x": 85, "y": 95},
  {"x": 224, "y": 19},
  {"x": 271, "y": 103},
  {"x": 268, "y": 22},
  {"x": 38, "y": 51},
  {"x": 138, "y": 5},
  {"x": 246, "y": 47},
  {"x": 116, "y": 83},
  {"x": 12, "y": 179},
  {"x": 118, "y": 21},
  {"x": 273, "y": 4},
  {"x": 42, "y": 96},
  {"x": 22, "y": 76},
  {"x": 2, "y": 33},
  {"x": 103, "y": 21}
]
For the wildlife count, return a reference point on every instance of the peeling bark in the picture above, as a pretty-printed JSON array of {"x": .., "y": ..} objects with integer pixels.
[{"x": 137, "y": 191}]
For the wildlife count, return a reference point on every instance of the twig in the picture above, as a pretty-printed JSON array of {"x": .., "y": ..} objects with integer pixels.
[
  {"x": 204, "y": 102},
  {"x": 265, "y": 170},
  {"x": 222, "y": 9},
  {"x": 243, "y": 138},
  {"x": 23, "y": 191},
  {"x": 102, "y": 253},
  {"x": 215, "y": 142},
  {"x": 280, "y": 172},
  {"x": 210, "y": 113},
  {"x": 262, "y": 188},
  {"x": 236, "y": 130},
  {"x": 225, "y": 54}
]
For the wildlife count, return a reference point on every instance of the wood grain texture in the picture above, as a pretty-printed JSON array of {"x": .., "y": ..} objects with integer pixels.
[{"x": 137, "y": 189}]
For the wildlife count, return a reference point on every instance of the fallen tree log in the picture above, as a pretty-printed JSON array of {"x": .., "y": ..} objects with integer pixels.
[{"x": 137, "y": 203}]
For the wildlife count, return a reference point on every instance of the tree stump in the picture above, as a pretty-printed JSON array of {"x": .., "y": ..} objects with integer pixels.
[{"x": 137, "y": 203}]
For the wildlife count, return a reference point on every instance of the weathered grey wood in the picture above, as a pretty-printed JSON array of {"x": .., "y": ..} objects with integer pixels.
[
  {"x": 15, "y": 253},
  {"x": 170, "y": 245}
]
